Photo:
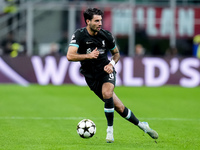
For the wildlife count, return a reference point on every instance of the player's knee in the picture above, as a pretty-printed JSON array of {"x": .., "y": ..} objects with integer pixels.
[
  {"x": 119, "y": 108},
  {"x": 107, "y": 94}
]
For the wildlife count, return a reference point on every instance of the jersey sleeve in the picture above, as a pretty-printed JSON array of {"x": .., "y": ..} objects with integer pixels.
[
  {"x": 111, "y": 41},
  {"x": 75, "y": 40}
]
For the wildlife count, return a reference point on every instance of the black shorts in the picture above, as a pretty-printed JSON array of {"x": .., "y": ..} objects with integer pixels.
[{"x": 96, "y": 84}]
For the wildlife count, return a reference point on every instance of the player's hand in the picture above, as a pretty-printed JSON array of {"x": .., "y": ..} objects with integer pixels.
[
  {"x": 108, "y": 68},
  {"x": 94, "y": 54}
]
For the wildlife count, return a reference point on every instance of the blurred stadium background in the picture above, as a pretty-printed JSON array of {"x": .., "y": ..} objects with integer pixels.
[
  {"x": 159, "y": 43},
  {"x": 157, "y": 28}
]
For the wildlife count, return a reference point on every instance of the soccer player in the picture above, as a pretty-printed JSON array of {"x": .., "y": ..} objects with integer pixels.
[{"x": 90, "y": 45}]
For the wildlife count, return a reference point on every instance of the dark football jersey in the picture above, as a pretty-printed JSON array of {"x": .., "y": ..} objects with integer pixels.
[{"x": 104, "y": 41}]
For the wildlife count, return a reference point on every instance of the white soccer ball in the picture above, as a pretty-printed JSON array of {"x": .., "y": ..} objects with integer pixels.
[{"x": 86, "y": 128}]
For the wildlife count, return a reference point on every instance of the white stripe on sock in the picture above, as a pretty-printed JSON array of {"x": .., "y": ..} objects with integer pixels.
[
  {"x": 109, "y": 110},
  {"x": 129, "y": 114}
]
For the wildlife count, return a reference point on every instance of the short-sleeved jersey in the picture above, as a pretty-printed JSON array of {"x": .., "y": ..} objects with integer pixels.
[{"x": 104, "y": 41}]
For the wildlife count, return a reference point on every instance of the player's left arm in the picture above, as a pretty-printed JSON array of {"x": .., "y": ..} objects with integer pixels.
[
  {"x": 115, "y": 58},
  {"x": 115, "y": 55}
]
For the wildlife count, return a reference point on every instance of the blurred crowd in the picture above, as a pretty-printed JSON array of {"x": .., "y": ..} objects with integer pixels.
[
  {"x": 10, "y": 46},
  {"x": 144, "y": 46}
]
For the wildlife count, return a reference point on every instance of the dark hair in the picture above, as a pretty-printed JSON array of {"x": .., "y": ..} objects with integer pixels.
[{"x": 88, "y": 14}]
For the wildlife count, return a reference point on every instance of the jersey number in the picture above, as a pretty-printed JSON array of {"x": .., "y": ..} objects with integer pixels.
[{"x": 111, "y": 76}]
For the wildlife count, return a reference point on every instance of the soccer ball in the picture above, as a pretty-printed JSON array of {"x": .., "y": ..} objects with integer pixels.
[{"x": 86, "y": 128}]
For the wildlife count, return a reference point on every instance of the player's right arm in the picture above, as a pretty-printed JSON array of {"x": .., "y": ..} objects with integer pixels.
[{"x": 72, "y": 54}]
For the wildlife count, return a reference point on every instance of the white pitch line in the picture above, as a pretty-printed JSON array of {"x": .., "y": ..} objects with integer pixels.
[
  {"x": 93, "y": 118},
  {"x": 172, "y": 119},
  {"x": 41, "y": 118}
]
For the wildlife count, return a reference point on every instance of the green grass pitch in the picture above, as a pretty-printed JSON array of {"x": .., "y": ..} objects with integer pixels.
[{"x": 45, "y": 118}]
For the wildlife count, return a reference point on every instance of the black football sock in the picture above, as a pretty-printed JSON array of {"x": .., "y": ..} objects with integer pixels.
[
  {"x": 128, "y": 114},
  {"x": 109, "y": 110}
]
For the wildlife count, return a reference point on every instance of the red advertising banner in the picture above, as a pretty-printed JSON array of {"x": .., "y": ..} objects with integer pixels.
[
  {"x": 131, "y": 71},
  {"x": 157, "y": 21}
]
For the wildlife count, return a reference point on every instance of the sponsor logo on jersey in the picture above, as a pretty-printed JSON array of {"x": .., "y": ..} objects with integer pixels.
[
  {"x": 73, "y": 36},
  {"x": 89, "y": 42},
  {"x": 101, "y": 51},
  {"x": 103, "y": 43},
  {"x": 73, "y": 41},
  {"x": 88, "y": 51}
]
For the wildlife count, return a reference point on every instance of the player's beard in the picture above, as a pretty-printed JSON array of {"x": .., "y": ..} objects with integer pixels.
[{"x": 94, "y": 29}]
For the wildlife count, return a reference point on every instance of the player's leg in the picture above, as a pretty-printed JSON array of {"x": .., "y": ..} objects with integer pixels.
[
  {"x": 124, "y": 111},
  {"x": 128, "y": 114},
  {"x": 107, "y": 93},
  {"x": 104, "y": 90}
]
